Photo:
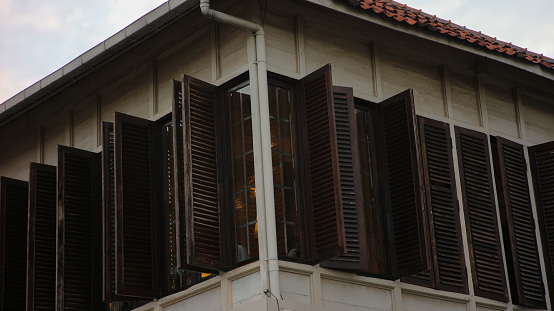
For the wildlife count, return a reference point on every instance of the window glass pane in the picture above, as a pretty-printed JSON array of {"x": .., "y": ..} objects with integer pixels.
[
  {"x": 285, "y": 137},
  {"x": 248, "y": 135},
  {"x": 239, "y": 182},
  {"x": 284, "y": 98},
  {"x": 243, "y": 174},
  {"x": 275, "y": 158},
  {"x": 283, "y": 170},
  {"x": 238, "y": 143}
]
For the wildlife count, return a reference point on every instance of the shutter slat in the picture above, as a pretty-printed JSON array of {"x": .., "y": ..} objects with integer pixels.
[
  {"x": 404, "y": 203},
  {"x": 325, "y": 206},
  {"x": 136, "y": 269},
  {"x": 484, "y": 243},
  {"x": 201, "y": 200},
  {"x": 41, "y": 247},
  {"x": 356, "y": 256},
  {"x": 79, "y": 236}
]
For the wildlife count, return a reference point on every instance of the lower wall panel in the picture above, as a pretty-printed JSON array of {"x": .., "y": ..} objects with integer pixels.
[
  {"x": 295, "y": 287},
  {"x": 209, "y": 300},
  {"x": 246, "y": 289},
  {"x": 338, "y": 295},
  {"x": 424, "y": 303}
]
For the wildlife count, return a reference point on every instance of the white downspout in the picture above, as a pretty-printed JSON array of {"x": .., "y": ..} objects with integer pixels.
[{"x": 266, "y": 185}]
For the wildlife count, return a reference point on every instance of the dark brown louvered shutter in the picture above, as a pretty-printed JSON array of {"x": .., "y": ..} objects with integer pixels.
[
  {"x": 135, "y": 203},
  {"x": 356, "y": 256},
  {"x": 178, "y": 164},
  {"x": 202, "y": 180},
  {"x": 448, "y": 261},
  {"x": 41, "y": 249},
  {"x": 13, "y": 241},
  {"x": 403, "y": 188},
  {"x": 542, "y": 167},
  {"x": 324, "y": 196},
  {"x": 79, "y": 237},
  {"x": 109, "y": 214},
  {"x": 529, "y": 289},
  {"x": 108, "y": 210},
  {"x": 480, "y": 212}
]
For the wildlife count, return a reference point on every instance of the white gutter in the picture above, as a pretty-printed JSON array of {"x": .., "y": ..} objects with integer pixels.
[{"x": 263, "y": 166}]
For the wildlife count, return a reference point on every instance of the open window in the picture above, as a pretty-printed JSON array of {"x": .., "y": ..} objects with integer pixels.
[
  {"x": 391, "y": 241},
  {"x": 313, "y": 131},
  {"x": 225, "y": 193}
]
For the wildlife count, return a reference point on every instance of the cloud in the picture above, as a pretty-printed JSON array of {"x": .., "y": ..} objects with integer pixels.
[
  {"x": 38, "y": 37},
  {"x": 507, "y": 20}
]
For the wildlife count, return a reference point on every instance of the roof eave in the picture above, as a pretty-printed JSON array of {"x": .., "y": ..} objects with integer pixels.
[
  {"x": 92, "y": 59},
  {"x": 346, "y": 8}
]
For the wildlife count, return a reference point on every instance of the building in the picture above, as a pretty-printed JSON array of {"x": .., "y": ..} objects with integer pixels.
[{"x": 385, "y": 169}]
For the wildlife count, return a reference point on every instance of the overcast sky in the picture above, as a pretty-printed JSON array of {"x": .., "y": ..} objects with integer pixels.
[{"x": 37, "y": 37}]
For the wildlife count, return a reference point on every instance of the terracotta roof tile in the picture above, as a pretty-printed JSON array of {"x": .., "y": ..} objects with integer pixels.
[{"x": 405, "y": 14}]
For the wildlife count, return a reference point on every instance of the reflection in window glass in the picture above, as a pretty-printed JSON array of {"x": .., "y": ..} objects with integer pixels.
[
  {"x": 288, "y": 229},
  {"x": 244, "y": 191},
  {"x": 372, "y": 208}
]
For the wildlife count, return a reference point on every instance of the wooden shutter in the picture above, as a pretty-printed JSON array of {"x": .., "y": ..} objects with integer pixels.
[
  {"x": 41, "y": 247},
  {"x": 542, "y": 166},
  {"x": 178, "y": 180},
  {"x": 79, "y": 237},
  {"x": 13, "y": 241},
  {"x": 202, "y": 180},
  {"x": 136, "y": 213},
  {"x": 480, "y": 211},
  {"x": 324, "y": 203},
  {"x": 448, "y": 261},
  {"x": 404, "y": 186},
  {"x": 529, "y": 289},
  {"x": 356, "y": 256},
  {"x": 108, "y": 210},
  {"x": 109, "y": 215}
]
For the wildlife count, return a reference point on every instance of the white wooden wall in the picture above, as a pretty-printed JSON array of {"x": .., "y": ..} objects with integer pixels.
[{"x": 377, "y": 62}]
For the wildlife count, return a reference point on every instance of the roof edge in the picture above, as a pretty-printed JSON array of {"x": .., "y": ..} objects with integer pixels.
[
  {"x": 90, "y": 60},
  {"x": 354, "y": 8}
]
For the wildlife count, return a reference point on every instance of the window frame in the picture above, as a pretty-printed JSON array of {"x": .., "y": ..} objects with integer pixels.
[{"x": 299, "y": 162}]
